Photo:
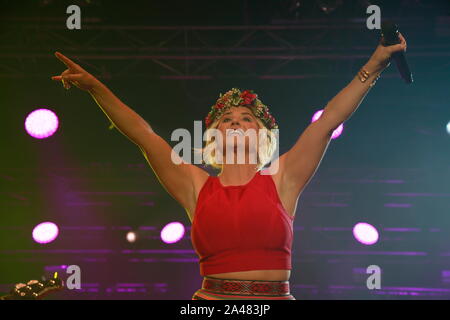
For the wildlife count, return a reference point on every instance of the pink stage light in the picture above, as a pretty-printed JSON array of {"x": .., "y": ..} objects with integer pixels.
[
  {"x": 336, "y": 133},
  {"x": 172, "y": 232},
  {"x": 365, "y": 233},
  {"x": 41, "y": 123},
  {"x": 45, "y": 232}
]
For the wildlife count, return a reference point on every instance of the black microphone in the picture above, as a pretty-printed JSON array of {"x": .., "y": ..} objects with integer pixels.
[{"x": 389, "y": 31}]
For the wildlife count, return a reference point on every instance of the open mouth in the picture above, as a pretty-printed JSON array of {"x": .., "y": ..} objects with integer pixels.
[{"x": 238, "y": 132}]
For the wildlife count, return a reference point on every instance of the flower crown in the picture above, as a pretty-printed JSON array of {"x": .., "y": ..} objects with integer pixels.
[{"x": 247, "y": 98}]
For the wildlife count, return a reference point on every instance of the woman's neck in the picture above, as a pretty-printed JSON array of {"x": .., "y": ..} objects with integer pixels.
[{"x": 237, "y": 174}]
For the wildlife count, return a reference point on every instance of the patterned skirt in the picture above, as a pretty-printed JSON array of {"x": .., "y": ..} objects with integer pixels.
[{"x": 230, "y": 289}]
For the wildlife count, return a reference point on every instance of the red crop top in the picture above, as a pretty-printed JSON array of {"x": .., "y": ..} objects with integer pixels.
[{"x": 241, "y": 228}]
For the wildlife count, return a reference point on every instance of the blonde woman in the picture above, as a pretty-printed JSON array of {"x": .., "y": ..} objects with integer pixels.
[{"x": 242, "y": 219}]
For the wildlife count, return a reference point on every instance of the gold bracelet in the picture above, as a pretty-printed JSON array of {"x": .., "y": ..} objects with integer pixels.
[{"x": 364, "y": 75}]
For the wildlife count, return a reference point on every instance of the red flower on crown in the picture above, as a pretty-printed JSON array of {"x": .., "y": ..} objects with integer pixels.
[{"x": 248, "y": 96}]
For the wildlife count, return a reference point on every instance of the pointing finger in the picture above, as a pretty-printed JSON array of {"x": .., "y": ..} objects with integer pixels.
[
  {"x": 58, "y": 78},
  {"x": 70, "y": 77},
  {"x": 69, "y": 63}
]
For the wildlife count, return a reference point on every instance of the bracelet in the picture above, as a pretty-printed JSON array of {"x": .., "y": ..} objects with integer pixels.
[{"x": 364, "y": 75}]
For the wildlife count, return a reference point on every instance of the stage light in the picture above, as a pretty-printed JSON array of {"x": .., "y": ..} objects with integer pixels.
[
  {"x": 172, "y": 232},
  {"x": 45, "y": 232},
  {"x": 337, "y": 132},
  {"x": 328, "y": 6},
  {"x": 448, "y": 127},
  {"x": 365, "y": 233},
  {"x": 41, "y": 123},
  {"x": 131, "y": 236}
]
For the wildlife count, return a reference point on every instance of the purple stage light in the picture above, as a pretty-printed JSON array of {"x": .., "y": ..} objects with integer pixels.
[
  {"x": 45, "y": 232},
  {"x": 41, "y": 123},
  {"x": 336, "y": 133},
  {"x": 365, "y": 233},
  {"x": 172, "y": 232}
]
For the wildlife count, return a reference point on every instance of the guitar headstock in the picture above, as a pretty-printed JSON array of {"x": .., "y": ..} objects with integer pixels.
[{"x": 34, "y": 289}]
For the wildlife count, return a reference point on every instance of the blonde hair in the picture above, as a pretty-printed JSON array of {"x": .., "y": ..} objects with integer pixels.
[{"x": 265, "y": 152}]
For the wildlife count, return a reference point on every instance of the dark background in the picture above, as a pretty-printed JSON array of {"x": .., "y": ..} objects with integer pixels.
[{"x": 168, "y": 61}]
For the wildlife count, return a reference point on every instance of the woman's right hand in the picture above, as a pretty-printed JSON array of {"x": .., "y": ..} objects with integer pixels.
[{"x": 75, "y": 75}]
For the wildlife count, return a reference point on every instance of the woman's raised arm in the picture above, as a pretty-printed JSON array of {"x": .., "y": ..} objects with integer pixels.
[
  {"x": 300, "y": 163},
  {"x": 128, "y": 122},
  {"x": 179, "y": 180}
]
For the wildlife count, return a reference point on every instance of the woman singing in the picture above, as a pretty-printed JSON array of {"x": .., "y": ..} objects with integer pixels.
[{"x": 242, "y": 219}]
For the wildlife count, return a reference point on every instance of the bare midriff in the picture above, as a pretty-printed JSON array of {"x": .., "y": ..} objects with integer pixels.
[{"x": 262, "y": 275}]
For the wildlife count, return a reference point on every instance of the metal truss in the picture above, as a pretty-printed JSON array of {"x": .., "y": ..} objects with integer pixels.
[{"x": 309, "y": 49}]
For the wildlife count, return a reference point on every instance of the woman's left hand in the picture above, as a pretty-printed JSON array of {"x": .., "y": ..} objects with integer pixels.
[{"x": 380, "y": 58}]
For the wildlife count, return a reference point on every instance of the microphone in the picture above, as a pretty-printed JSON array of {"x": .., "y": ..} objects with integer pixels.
[{"x": 389, "y": 31}]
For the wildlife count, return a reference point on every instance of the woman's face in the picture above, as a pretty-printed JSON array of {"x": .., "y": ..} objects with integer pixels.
[{"x": 234, "y": 124}]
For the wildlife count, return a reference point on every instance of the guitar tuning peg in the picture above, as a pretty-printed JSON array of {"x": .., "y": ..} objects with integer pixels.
[{"x": 20, "y": 285}]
